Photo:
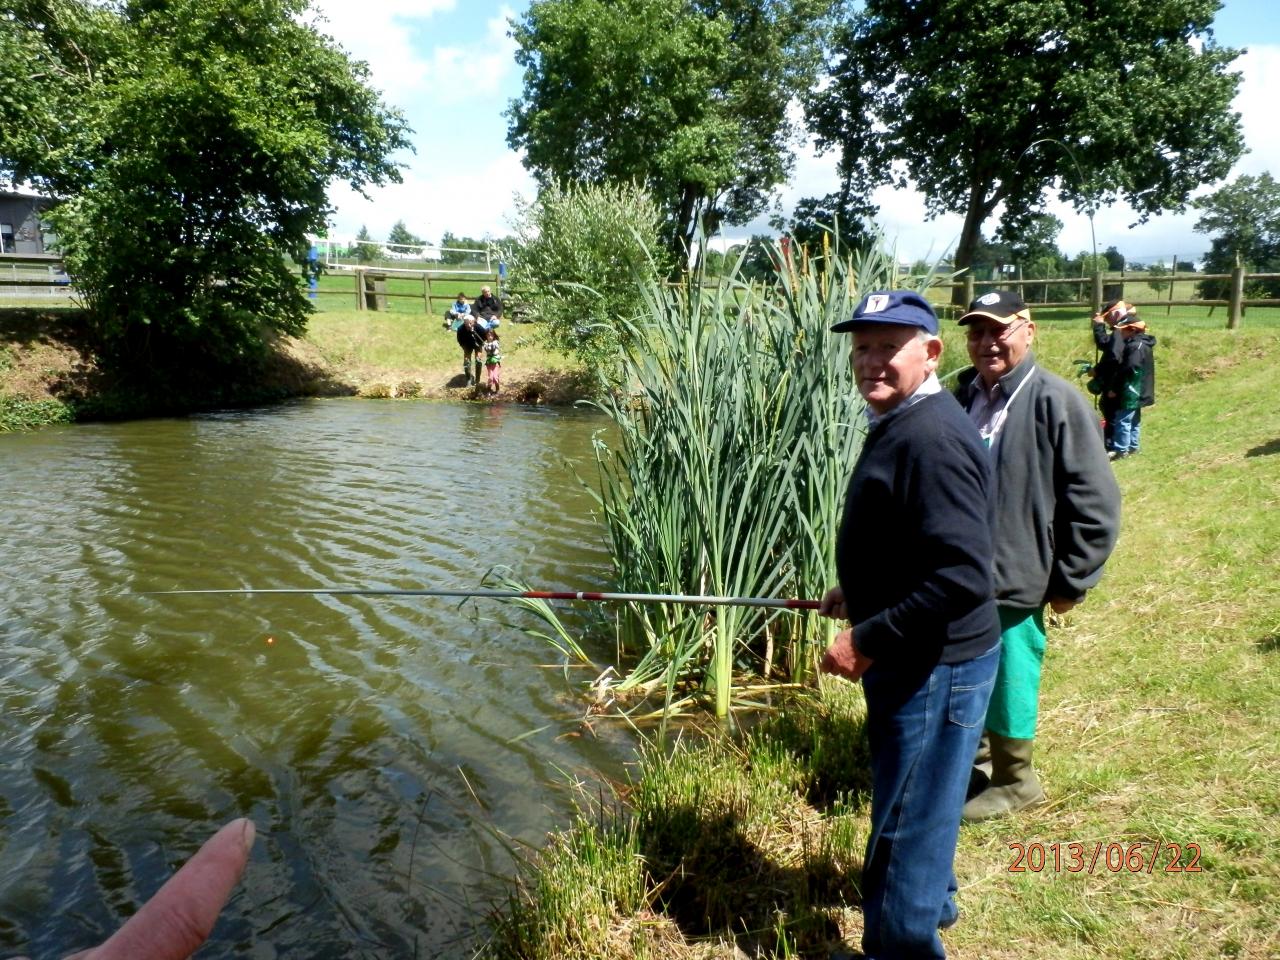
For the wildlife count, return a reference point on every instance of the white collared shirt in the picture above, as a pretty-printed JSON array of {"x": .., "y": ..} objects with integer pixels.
[
  {"x": 990, "y": 408},
  {"x": 927, "y": 388}
]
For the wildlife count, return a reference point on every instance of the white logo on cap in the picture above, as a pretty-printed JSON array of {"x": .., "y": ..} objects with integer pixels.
[
  {"x": 988, "y": 299},
  {"x": 876, "y": 302}
]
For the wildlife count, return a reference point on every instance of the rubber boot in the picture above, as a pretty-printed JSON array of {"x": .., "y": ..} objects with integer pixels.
[
  {"x": 980, "y": 775},
  {"x": 478, "y": 368},
  {"x": 466, "y": 368},
  {"x": 1014, "y": 784}
]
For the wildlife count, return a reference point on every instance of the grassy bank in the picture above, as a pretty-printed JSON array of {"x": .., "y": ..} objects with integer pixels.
[
  {"x": 409, "y": 354},
  {"x": 1158, "y": 729},
  {"x": 49, "y": 372}
]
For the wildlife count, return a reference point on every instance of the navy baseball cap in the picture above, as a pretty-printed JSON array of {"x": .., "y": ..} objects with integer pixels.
[{"x": 903, "y": 307}]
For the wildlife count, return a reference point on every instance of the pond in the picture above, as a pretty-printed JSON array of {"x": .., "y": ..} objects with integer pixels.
[{"x": 390, "y": 750}]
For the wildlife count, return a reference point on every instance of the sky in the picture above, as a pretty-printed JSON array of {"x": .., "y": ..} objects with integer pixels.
[{"x": 449, "y": 65}]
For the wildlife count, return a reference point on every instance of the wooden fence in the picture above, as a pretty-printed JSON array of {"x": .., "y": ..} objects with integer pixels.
[
  {"x": 1097, "y": 283},
  {"x": 34, "y": 277},
  {"x": 371, "y": 291},
  {"x": 42, "y": 276}
]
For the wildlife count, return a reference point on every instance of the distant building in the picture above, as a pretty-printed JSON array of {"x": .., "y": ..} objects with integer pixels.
[{"x": 21, "y": 228}]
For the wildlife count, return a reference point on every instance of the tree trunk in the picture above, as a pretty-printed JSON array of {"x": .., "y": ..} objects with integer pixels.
[
  {"x": 683, "y": 236},
  {"x": 975, "y": 216}
]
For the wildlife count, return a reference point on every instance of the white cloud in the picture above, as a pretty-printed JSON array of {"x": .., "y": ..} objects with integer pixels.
[
  {"x": 1260, "y": 69},
  {"x": 903, "y": 216},
  {"x": 375, "y": 32},
  {"x": 474, "y": 71},
  {"x": 476, "y": 202},
  {"x": 467, "y": 86}
]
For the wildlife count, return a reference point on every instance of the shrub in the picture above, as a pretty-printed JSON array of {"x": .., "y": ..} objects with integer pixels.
[{"x": 579, "y": 258}]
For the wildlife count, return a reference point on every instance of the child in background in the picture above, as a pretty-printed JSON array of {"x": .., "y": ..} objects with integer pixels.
[
  {"x": 493, "y": 360},
  {"x": 1134, "y": 384},
  {"x": 457, "y": 311}
]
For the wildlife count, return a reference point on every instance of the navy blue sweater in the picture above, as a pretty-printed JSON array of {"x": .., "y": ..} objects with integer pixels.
[{"x": 914, "y": 549}]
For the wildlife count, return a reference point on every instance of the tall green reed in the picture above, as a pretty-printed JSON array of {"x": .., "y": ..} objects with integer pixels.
[{"x": 734, "y": 445}]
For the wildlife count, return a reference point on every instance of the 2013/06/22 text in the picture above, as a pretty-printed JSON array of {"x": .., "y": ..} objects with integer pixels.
[{"x": 1111, "y": 856}]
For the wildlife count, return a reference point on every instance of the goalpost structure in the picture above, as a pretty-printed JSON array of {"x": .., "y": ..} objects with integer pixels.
[
  {"x": 350, "y": 253},
  {"x": 372, "y": 263}
]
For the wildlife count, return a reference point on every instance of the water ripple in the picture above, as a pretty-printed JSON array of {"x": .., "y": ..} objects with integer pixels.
[{"x": 131, "y": 726}]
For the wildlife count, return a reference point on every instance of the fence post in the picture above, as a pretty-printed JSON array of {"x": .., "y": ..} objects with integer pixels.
[
  {"x": 1236, "y": 307},
  {"x": 968, "y": 288},
  {"x": 358, "y": 273},
  {"x": 1097, "y": 290}
]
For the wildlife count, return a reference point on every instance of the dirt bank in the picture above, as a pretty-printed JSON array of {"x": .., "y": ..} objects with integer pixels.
[{"x": 49, "y": 372}]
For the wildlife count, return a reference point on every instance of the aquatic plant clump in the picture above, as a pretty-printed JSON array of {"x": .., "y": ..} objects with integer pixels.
[{"x": 735, "y": 441}]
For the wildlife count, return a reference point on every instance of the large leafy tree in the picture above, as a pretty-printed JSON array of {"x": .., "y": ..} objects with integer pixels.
[
  {"x": 687, "y": 98},
  {"x": 986, "y": 104},
  {"x": 188, "y": 145},
  {"x": 1243, "y": 217}
]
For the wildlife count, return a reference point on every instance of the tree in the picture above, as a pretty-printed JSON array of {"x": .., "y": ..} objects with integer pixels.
[
  {"x": 990, "y": 257},
  {"x": 834, "y": 217},
  {"x": 1036, "y": 240},
  {"x": 456, "y": 247},
  {"x": 188, "y": 145},
  {"x": 1244, "y": 217},
  {"x": 983, "y": 103},
  {"x": 400, "y": 236},
  {"x": 364, "y": 249},
  {"x": 1114, "y": 258},
  {"x": 583, "y": 253},
  {"x": 1155, "y": 272},
  {"x": 686, "y": 97}
]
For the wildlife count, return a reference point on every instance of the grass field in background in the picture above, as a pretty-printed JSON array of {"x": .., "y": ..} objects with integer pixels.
[{"x": 336, "y": 290}]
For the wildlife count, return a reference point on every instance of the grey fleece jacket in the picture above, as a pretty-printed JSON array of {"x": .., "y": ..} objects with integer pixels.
[{"x": 1057, "y": 505}]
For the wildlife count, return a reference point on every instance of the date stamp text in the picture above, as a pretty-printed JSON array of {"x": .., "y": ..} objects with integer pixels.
[{"x": 1099, "y": 856}]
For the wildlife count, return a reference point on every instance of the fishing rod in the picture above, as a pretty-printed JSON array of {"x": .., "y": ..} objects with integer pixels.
[{"x": 580, "y": 595}]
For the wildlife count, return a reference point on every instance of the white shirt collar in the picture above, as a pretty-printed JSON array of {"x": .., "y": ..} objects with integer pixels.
[{"x": 927, "y": 388}]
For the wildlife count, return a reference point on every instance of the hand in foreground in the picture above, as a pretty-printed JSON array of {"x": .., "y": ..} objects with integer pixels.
[
  {"x": 832, "y": 605},
  {"x": 1061, "y": 604},
  {"x": 179, "y": 918},
  {"x": 843, "y": 659}
]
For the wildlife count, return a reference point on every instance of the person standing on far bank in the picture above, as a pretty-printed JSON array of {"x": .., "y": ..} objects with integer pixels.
[
  {"x": 471, "y": 340},
  {"x": 1057, "y": 517},
  {"x": 914, "y": 559}
]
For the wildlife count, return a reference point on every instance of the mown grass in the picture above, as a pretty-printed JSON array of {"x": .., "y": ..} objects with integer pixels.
[
  {"x": 388, "y": 353},
  {"x": 1158, "y": 725}
]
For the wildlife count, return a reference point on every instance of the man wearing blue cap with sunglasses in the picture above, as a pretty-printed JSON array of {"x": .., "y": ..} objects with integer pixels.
[{"x": 914, "y": 560}]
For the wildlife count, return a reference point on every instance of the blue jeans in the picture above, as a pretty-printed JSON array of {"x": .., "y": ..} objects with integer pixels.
[
  {"x": 923, "y": 727},
  {"x": 1128, "y": 430}
]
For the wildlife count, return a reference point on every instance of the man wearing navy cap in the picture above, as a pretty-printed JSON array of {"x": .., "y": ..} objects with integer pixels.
[
  {"x": 914, "y": 559},
  {"x": 1057, "y": 514}
]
